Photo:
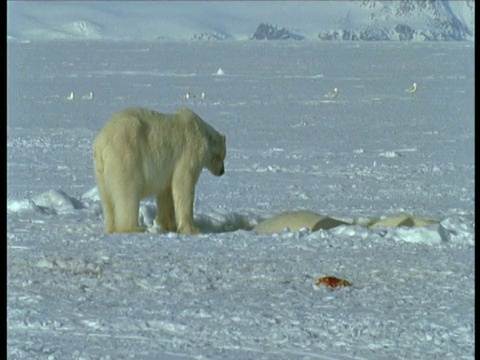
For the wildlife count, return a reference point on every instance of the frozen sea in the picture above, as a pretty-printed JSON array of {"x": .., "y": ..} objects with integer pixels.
[{"x": 74, "y": 292}]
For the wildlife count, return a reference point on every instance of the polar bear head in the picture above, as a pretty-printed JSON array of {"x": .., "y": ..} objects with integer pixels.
[{"x": 216, "y": 156}]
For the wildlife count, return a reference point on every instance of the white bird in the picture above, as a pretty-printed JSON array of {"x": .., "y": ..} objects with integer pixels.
[
  {"x": 187, "y": 95},
  {"x": 332, "y": 94},
  {"x": 88, "y": 96},
  {"x": 412, "y": 89},
  {"x": 71, "y": 96},
  {"x": 202, "y": 95}
]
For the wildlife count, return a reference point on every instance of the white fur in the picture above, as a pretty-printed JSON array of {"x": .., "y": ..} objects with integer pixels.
[{"x": 140, "y": 153}]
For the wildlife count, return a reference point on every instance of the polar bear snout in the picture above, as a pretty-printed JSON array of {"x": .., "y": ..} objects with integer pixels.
[
  {"x": 222, "y": 170},
  {"x": 218, "y": 170},
  {"x": 216, "y": 163}
]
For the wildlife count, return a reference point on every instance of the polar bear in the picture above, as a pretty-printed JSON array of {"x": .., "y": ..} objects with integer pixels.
[{"x": 140, "y": 153}]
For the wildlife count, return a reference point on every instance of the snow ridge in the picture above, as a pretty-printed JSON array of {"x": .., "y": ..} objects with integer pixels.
[{"x": 453, "y": 229}]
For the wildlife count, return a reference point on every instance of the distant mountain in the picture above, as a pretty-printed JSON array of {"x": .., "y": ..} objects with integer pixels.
[
  {"x": 270, "y": 32},
  {"x": 407, "y": 20},
  {"x": 418, "y": 20}
]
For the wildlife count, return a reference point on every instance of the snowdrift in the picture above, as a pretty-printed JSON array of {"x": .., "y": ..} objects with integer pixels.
[{"x": 407, "y": 228}]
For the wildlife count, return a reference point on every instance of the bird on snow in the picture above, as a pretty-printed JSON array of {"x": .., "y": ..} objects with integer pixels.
[
  {"x": 71, "y": 96},
  {"x": 412, "y": 89},
  {"x": 88, "y": 96},
  {"x": 332, "y": 94}
]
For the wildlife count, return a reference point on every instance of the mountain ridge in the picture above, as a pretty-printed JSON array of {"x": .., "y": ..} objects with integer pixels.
[{"x": 408, "y": 20}]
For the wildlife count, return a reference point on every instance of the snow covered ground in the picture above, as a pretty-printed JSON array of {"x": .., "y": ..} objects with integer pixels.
[{"x": 74, "y": 292}]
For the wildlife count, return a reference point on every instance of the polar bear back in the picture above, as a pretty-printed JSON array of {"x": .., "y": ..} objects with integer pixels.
[
  {"x": 184, "y": 123},
  {"x": 151, "y": 144}
]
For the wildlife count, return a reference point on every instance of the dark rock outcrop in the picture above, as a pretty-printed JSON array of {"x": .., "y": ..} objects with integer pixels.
[
  {"x": 210, "y": 36},
  {"x": 404, "y": 32},
  {"x": 270, "y": 32}
]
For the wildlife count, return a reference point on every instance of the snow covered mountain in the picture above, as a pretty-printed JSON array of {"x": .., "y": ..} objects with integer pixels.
[
  {"x": 429, "y": 20},
  {"x": 415, "y": 20}
]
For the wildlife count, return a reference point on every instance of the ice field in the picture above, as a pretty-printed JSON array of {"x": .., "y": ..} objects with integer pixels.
[{"x": 74, "y": 292}]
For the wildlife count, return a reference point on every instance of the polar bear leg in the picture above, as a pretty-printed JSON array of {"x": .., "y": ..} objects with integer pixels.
[
  {"x": 105, "y": 197},
  {"x": 166, "y": 211},
  {"x": 107, "y": 206},
  {"x": 183, "y": 191},
  {"x": 126, "y": 204},
  {"x": 126, "y": 216}
]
